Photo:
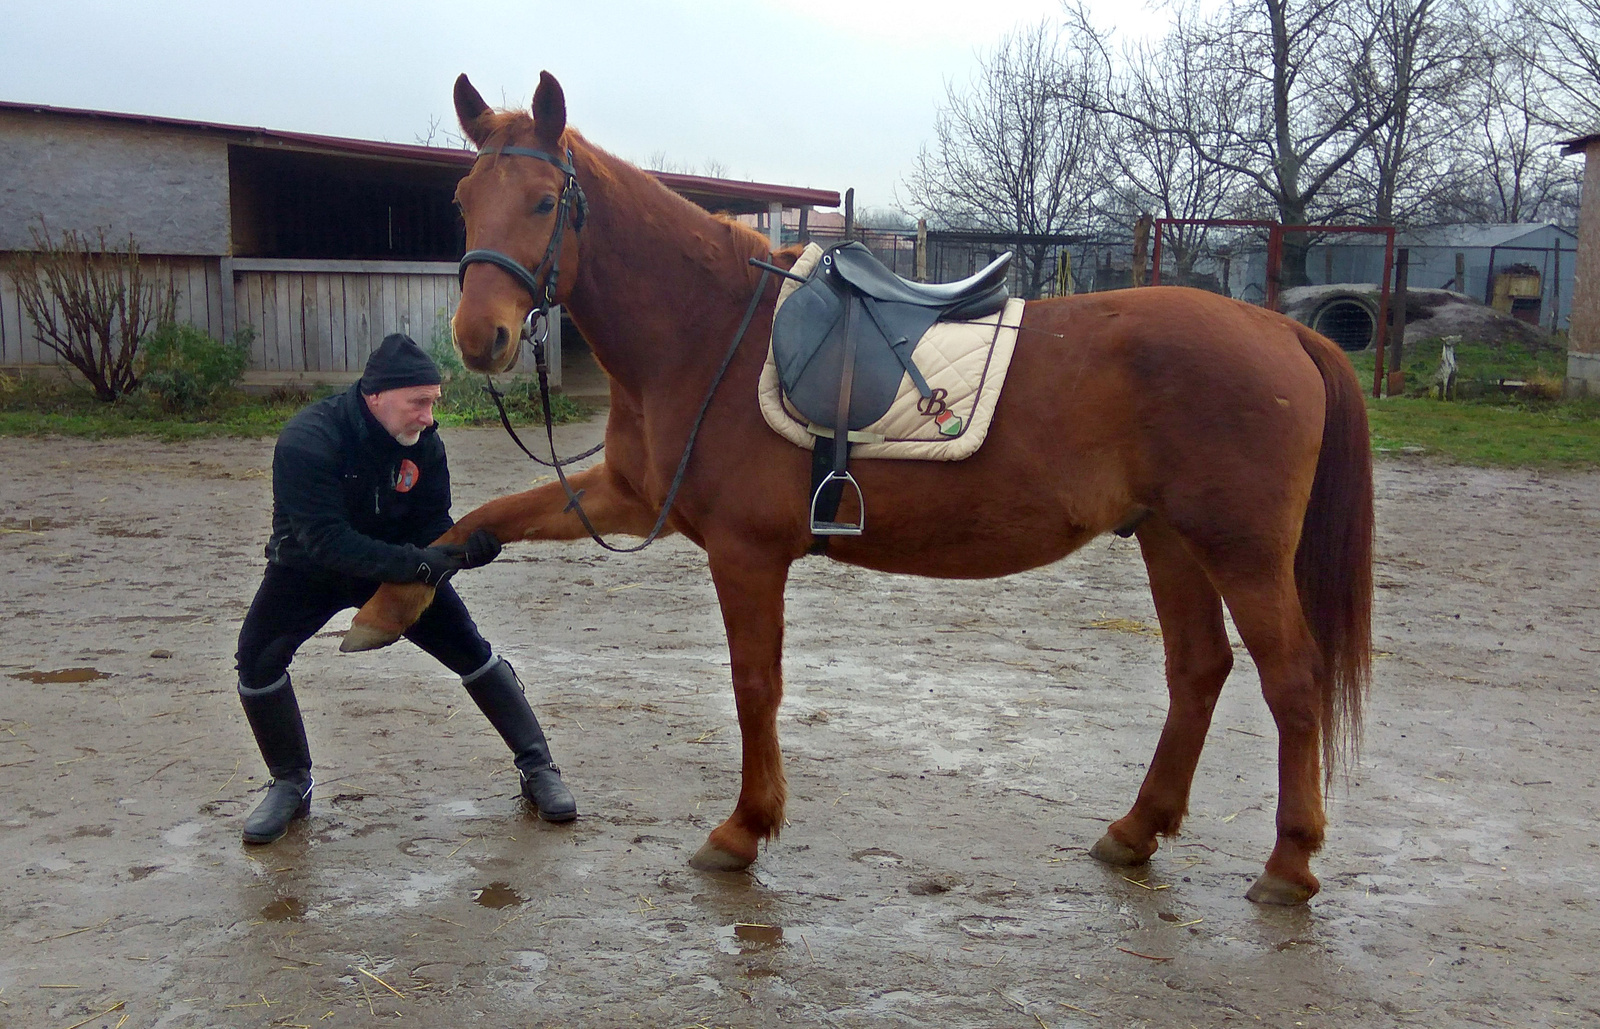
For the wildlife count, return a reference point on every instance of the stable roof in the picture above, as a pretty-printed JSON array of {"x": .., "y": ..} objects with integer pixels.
[
  {"x": 732, "y": 195},
  {"x": 1470, "y": 235}
]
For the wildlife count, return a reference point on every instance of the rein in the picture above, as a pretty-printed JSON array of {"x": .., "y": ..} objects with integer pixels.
[{"x": 536, "y": 328}]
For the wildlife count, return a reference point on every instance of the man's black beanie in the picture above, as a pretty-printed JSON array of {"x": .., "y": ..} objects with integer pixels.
[{"x": 398, "y": 362}]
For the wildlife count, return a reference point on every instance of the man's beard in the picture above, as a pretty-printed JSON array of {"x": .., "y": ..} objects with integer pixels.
[{"x": 408, "y": 439}]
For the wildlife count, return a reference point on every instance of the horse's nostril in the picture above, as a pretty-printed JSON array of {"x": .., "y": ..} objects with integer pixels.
[{"x": 502, "y": 338}]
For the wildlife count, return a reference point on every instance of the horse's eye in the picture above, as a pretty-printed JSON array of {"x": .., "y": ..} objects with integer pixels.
[{"x": 546, "y": 205}]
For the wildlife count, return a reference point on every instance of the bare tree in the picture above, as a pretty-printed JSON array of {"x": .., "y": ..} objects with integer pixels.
[
  {"x": 1307, "y": 100},
  {"x": 1565, "y": 45},
  {"x": 1020, "y": 150},
  {"x": 1514, "y": 170},
  {"x": 92, "y": 302},
  {"x": 1426, "y": 55},
  {"x": 1170, "y": 82}
]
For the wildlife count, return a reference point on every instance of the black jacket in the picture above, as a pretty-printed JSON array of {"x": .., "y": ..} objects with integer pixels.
[{"x": 348, "y": 498}]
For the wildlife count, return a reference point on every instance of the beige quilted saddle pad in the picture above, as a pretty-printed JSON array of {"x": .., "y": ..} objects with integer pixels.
[{"x": 966, "y": 360}]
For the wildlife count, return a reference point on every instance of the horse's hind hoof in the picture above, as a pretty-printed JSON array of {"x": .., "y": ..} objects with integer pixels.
[
  {"x": 1114, "y": 852},
  {"x": 366, "y": 637},
  {"x": 712, "y": 858},
  {"x": 1270, "y": 889}
]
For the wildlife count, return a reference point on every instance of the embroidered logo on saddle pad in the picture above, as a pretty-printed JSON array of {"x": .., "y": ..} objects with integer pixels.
[{"x": 965, "y": 363}]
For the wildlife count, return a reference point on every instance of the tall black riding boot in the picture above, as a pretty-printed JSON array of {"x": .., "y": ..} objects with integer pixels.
[
  {"x": 275, "y": 719},
  {"x": 498, "y": 693}
]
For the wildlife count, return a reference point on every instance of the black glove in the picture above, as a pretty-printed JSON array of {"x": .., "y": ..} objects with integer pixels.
[
  {"x": 443, "y": 560},
  {"x": 481, "y": 548},
  {"x": 438, "y": 563}
]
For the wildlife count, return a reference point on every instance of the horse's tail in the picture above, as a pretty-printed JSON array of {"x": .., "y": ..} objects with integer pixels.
[{"x": 1333, "y": 565}]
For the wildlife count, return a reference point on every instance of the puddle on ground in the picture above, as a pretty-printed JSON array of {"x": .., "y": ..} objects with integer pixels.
[
  {"x": 498, "y": 895},
  {"x": 746, "y": 937},
  {"x": 63, "y": 675},
  {"x": 460, "y": 809},
  {"x": 284, "y": 909}
]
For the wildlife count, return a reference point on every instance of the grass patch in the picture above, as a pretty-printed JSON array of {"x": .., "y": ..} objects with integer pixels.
[
  {"x": 1507, "y": 411},
  {"x": 39, "y": 406},
  {"x": 1523, "y": 434}
]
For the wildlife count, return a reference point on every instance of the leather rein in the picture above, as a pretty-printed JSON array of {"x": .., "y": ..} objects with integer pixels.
[{"x": 536, "y": 329}]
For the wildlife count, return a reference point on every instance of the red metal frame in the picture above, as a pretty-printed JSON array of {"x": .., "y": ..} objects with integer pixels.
[{"x": 1275, "y": 231}]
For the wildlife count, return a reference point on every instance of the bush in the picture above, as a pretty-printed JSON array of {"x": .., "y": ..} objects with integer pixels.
[
  {"x": 92, "y": 301},
  {"x": 186, "y": 370}
]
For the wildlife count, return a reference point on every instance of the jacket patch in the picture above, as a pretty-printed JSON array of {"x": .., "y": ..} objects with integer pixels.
[{"x": 405, "y": 476}]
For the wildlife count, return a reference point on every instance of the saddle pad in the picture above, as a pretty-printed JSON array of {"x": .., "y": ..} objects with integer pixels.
[{"x": 967, "y": 360}]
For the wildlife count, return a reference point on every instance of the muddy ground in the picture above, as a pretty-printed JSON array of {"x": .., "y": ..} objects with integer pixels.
[{"x": 952, "y": 748}]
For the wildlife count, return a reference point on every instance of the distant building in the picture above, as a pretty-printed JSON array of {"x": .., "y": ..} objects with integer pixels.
[
  {"x": 1527, "y": 270},
  {"x": 323, "y": 245}
]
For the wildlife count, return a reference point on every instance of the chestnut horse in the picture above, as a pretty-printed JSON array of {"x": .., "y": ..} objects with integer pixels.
[{"x": 1232, "y": 439}]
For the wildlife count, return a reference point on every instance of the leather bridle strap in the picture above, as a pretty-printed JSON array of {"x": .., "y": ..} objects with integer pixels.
[
  {"x": 575, "y": 497},
  {"x": 571, "y": 203}
]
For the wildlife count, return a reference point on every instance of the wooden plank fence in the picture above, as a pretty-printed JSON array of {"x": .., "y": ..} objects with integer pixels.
[{"x": 314, "y": 318}]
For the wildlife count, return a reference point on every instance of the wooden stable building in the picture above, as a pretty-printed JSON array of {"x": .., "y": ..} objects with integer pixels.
[{"x": 321, "y": 245}]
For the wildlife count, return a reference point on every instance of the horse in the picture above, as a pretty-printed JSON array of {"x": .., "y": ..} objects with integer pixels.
[{"x": 1230, "y": 440}]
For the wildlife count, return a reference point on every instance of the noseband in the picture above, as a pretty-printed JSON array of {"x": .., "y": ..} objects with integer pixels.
[{"x": 571, "y": 203}]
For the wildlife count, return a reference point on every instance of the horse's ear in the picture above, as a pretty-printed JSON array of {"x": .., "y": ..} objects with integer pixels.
[
  {"x": 470, "y": 110},
  {"x": 549, "y": 110}
]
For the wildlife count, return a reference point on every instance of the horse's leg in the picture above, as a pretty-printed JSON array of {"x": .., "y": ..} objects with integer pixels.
[
  {"x": 1198, "y": 661},
  {"x": 1270, "y": 622},
  {"x": 543, "y": 513},
  {"x": 750, "y": 587}
]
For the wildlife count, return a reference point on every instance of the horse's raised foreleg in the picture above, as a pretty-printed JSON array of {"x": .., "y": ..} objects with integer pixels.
[
  {"x": 750, "y": 587},
  {"x": 1198, "y": 661},
  {"x": 543, "y": 513},
  {"x": 1270, "y": 622}
]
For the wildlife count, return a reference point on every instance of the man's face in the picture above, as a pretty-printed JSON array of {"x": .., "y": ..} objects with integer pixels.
[{"x": 404, "y": 412}]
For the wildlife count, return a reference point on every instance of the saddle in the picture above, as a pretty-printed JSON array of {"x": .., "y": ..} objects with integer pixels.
[{"x": 843, "y": 341}]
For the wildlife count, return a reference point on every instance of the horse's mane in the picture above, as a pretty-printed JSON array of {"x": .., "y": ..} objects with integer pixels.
[{"x": 723, "y": 236}]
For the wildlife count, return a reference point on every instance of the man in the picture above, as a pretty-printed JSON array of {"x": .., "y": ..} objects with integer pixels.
[{"x": 359, "y": 490}]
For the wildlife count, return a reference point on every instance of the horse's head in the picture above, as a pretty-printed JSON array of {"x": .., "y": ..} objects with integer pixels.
[{"x": 522, "y": 207}]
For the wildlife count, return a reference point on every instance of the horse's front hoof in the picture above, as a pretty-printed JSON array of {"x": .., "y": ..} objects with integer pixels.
[
  {"x": 366, "y": 637},
  {"x": 1271, "y": 889},
  {"x": 712, "y": 858},
  {"x": 1114, "y": 852}
]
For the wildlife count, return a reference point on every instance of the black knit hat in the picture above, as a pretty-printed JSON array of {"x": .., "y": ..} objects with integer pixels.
[{"x": 399, "y": 362}]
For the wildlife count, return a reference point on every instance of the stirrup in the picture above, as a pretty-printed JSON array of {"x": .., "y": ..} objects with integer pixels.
[{"x": 821, "y": 528}]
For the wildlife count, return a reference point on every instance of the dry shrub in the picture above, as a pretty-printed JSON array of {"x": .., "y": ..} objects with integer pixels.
[{"x": 1542, "y": 385}]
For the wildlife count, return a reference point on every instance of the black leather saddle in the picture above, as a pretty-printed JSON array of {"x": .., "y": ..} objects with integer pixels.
[
  {"x": 885, "y": 316},
  {"x": 842, "y": 342}
]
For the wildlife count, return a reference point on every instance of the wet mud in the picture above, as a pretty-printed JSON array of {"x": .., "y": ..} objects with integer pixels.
[{"x": 952, "y": 749}]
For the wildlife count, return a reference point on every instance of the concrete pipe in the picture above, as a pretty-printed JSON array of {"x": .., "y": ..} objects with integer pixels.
[{"x": 1350, "y": 321}]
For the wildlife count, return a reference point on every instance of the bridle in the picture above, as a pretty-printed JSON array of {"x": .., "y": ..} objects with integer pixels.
[
  {"x": 536, "y": 329},
  {"x": 573, "y": 202}
]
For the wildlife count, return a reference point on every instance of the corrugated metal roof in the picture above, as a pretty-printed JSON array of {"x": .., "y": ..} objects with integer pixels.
[
  {"x": 1475, "y": 235},
  {"x": 700, "y": 188}
]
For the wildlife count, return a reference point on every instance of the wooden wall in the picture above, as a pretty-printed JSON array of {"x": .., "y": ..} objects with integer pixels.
[
  {"x": 308, "y": 316},
  {"x": 326, "y": 316},
  {"x": 200, "y": 302}
]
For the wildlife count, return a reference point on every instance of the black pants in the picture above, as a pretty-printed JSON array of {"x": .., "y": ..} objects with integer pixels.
[{"x": 293, "y": 603}]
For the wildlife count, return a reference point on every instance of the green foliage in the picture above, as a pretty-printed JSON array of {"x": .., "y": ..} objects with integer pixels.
[
  {"x": 186, "y": 370},
  {"x": 41, "y": 405},
  {"x": 464, "y": 400},
  {"x": 1482, "y": 369},
  {"x": 442, "y": 347}
]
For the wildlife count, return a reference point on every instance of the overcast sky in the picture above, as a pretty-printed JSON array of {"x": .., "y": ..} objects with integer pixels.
[{"x": 821, "y": 93}]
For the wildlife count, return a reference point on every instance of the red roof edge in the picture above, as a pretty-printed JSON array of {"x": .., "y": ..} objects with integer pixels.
[{"x": 789, "y": 196}]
